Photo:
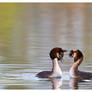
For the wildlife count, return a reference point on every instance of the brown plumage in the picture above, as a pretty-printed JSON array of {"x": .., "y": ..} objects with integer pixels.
[
  {"x": 56, "y": 54},
  {"x": 74, "y": 72}
]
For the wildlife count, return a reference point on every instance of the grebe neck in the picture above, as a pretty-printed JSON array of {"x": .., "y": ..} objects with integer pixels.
[
  {"x": 56, "y": 68},
  {"x": 74, "y": 69}
]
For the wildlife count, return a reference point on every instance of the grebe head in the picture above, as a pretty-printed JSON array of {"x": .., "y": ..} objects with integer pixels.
[
  {"x": 57, "y": 53},
  {"x": 77, "y": 54}
]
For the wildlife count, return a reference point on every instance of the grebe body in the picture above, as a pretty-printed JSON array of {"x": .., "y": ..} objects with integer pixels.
[
  {"x": 56, "y": 54},
  {"x": 74, "y": 72}
]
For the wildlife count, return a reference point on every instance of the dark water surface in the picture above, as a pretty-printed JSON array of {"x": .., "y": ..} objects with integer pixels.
[{"x": 27, "y": 34}]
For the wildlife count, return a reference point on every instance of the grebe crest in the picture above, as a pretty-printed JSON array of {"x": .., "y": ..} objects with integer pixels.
[{"x": 56, "y": 54}]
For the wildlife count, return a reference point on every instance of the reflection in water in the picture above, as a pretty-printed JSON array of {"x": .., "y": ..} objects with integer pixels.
[
  {"x": 74, "y": 83},
  {"x": 56, "y": 83}
]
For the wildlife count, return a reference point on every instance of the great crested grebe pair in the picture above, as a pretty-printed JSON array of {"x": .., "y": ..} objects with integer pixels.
[{"x": 56, "y": 54}]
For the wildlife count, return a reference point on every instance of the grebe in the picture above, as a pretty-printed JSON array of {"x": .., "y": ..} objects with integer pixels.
[
  {"x": 74, "y": 72},
  {"x": 56, "y": 54}
]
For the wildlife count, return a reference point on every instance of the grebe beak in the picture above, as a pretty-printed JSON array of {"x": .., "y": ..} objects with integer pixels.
[{"x": 65, "y": 50}]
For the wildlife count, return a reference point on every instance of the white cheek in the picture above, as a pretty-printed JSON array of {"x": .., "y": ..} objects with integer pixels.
[
  {"x": 74, "y": 54},
  {"x": 58, "y": 55}
]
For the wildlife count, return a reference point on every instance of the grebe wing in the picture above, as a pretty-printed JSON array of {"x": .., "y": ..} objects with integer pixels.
[{"x": 44, "y": 74}]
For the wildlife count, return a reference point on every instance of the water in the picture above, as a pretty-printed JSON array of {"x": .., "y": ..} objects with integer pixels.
[{"x": 27, "y": 34}]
